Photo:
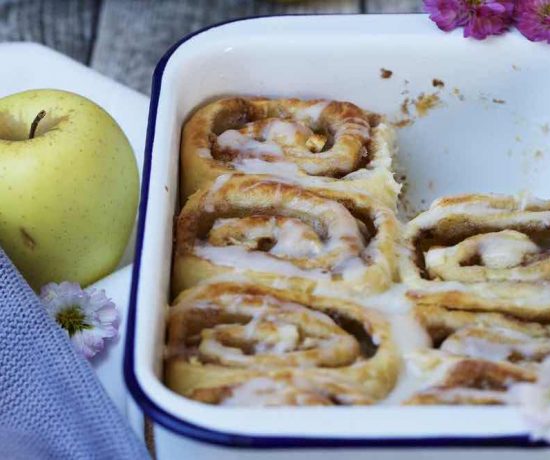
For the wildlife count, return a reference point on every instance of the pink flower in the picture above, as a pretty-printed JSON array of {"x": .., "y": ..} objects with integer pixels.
[
  {"x": 447, "y": 14},
  {"x": 481, "y": 18},
  {"x": 533, "y": 19},
  {"x": 88, "y": 317}
]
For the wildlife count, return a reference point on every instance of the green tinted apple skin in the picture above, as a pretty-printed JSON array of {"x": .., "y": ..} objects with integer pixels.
[{"x": 68, "y": 196}]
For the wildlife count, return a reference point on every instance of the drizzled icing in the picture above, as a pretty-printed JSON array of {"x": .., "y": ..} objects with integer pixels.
[
  {"x": 409, "y": 336},
  {"x": 528, "y": 201},
  {"x": 240, "y": 258},
  {"x": 260, "y": 391},
  {"x": 296, "y": 391},
  {"x": 331, "y": 241},
  {"x": 499, "y": 210},
  {"x": 311, "y": 114},
  {"x": 502, "y": 255},
  {"x": 497, "y": 250},
  {"x": 213, "y": 190},
  {"x": 496, "y": 344},
  {"x": 427, "y": 370},
  {"x": 505, "y": 249},
  {"x": 280, "y": 333},
  {"x": 294, "y": 140},
  {"x": 248, "y": 147},
  {"x": 412, "y": 379},
  {"x": 292, "y": 237},
  {"x": 295, "y": 239},
  {"x": 406, "y": 332},
  {"x": 290, "y": 173}
]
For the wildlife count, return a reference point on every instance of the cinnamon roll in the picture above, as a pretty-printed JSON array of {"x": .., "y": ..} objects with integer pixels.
[
  {"x": 317, "y": 144},
  {"x": 454, "y": 380},
  {"x": 279, "y": 234},
  {"x": 481, "y": 253},
  {"x": 239, "y": 344},
  {"x": 476, "y": 356}
]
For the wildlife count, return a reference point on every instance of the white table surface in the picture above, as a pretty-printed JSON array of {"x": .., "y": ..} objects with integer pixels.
[{"x": 30, "y": 66}]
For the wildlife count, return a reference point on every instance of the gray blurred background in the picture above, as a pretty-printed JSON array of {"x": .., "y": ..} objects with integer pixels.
[{"x": 125, "y": 38}]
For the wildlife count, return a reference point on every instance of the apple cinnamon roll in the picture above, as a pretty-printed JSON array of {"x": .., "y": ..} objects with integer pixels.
[
  {"x": 481, "y": 253},
  {"x": 476, "y": 356},
  {"x": 279, "y": 234},
  {"x": 238, "y": 344},
  {"x": 317, "y": 144}
]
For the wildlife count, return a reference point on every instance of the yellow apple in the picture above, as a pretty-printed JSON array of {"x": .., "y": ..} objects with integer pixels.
[{"x": 68, "y": 187}]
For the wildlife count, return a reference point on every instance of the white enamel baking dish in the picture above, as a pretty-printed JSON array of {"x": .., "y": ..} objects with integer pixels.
[{"x": 489, "y": 134}]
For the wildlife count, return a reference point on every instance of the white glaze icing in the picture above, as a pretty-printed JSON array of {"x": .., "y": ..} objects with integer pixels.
[
  {"x": 213, "y": 190},
  {"x": 311, "y": 114},
  {"x": 284, "y": 132},
  {"x": 292, "y": 240},
  {"x": 494, "y": 344},
  {"x": 499, "y": 250},
  {"x": 418, "y": 374},
  {"x": 333, "y": 231},
  {"x": 240, "y": 258},
  {"x": 289, "y": 172},
  {"x": 527, "y": 200},
  {"x": 260, "y": 391},
  {"x": 266, "y": 391},
  {"x": 273, "y": 140},
  {"x": 248, "y": 147}
]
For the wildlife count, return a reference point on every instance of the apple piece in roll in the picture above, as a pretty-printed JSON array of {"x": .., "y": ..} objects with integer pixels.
[
  {"x": 481, "y": 253},
  {"x": 477, "y": 356},
  {"x": 281, "y": 235},
  {"x": 238, "y": 344},
  {"x": 318, "y": 144}
]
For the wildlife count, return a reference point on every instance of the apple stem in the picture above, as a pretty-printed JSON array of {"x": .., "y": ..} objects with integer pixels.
[{"x": 35, "y": 122}]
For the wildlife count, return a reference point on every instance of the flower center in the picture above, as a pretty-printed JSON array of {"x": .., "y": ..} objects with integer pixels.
[
  {"x": 545, "y": 11},
  {"x": 474, "y": 2},
  {"x": 72, "y": 319}
]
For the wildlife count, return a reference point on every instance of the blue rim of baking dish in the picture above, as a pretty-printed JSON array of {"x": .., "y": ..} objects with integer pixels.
[{"x": 196, "y": 432}]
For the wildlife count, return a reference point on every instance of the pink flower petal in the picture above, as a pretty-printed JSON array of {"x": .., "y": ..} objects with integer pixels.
[
  {"x": 480, "y": 18},
  {"x": 447, "y": 14},
  {"x": 533, "y": 19},
  {"x": 87, "y": 343}
]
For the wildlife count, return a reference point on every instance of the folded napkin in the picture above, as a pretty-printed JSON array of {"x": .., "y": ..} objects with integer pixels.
[{"x": 51, "y": 404}]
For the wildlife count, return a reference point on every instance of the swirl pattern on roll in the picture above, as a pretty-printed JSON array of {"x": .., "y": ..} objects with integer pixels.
[
  {"x": 476, "y": 356},
  {"x": 238, "y": 344},
  {"x": 481, "y": 252},
  {"x": 279, "y": 234},
  {"x": 318, "y": 144}
]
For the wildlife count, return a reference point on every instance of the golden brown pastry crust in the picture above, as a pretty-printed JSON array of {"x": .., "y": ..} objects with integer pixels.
[
  {"x": 481, "y": 253},
  {"x": 287, "y": 199},
  {"x": 467, "y": 381},
  {"x": 477, "y": 356},
  {"x": 317, "y": 144},
  {"x": 278, "y": 234},
  {"x": 236, "y": 343}
]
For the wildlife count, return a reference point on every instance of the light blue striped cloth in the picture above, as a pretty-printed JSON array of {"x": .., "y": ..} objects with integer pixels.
[{"x": 51, "y": 404}]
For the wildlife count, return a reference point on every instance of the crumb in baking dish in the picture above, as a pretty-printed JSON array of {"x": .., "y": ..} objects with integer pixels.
[
  {"x": 426, "y": 102},
  {"x": 457, "y": 93}
]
